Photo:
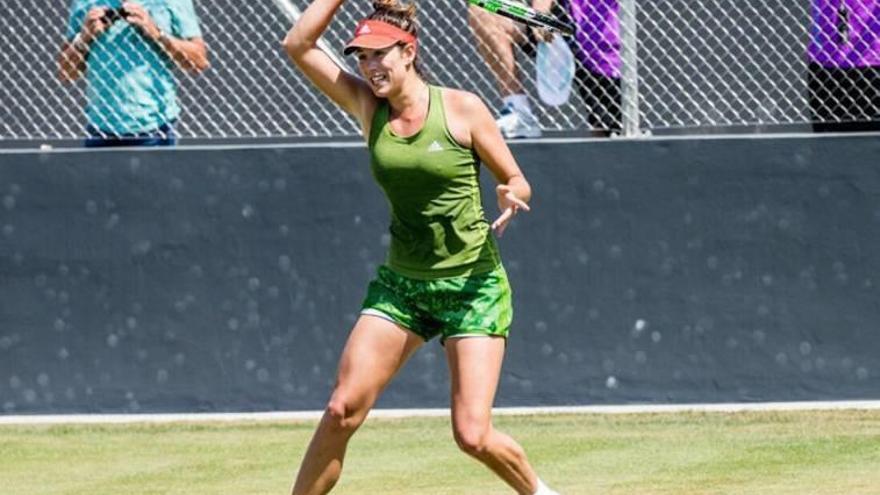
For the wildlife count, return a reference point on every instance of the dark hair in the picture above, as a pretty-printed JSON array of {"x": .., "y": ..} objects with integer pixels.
[{"x": 400, "y": 15}]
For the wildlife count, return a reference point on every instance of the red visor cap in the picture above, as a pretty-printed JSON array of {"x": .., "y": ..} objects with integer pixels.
[{"x": 377, "y": 34}]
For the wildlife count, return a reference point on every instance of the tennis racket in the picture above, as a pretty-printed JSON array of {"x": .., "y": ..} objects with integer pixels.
[{"x": 523, "y": 13}]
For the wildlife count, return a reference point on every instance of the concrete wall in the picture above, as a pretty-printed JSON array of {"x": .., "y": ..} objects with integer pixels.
[{"x": 655, "y": 271}]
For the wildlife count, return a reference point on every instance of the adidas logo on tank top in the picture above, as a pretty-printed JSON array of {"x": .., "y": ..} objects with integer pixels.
[{"x": 435, "y": 147}]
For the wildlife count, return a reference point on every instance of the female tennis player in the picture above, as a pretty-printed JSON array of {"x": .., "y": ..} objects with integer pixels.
[{"x": 443, "y": 276}]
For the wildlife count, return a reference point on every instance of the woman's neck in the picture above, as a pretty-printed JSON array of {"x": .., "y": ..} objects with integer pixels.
[{"x": 411, "y": 98}]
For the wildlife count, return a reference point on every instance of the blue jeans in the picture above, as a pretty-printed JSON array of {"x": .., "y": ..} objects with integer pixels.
[{"x": 161, "y": 136}]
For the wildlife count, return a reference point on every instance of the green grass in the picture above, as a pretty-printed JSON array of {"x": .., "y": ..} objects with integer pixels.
[{"x": 690, "y": 453}]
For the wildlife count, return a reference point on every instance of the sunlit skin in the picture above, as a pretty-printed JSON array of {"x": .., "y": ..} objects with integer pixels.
[
  {"x": 385, "y": 69},
  {"x": 390, "y": 75}
]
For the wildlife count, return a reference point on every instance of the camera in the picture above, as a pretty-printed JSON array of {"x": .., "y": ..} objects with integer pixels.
[{"x": 113, "y": 15}]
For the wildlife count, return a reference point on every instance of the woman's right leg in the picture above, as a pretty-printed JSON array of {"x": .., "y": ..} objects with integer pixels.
[{"x": 375, "y": 351}]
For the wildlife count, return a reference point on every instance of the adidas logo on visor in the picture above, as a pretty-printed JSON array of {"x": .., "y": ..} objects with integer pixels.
[{"x": 365, "y": 30}]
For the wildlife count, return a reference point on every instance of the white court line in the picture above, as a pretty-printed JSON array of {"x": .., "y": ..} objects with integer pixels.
[{"x": 52, "y": 419}]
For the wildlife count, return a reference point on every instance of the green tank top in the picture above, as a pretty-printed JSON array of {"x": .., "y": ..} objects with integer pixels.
[{"x": 438, "y": 228}]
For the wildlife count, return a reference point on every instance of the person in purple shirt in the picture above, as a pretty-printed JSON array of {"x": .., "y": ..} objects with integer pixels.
[
  {"x": 844, "y": 71},
  {"x": 596, "y": 46}
]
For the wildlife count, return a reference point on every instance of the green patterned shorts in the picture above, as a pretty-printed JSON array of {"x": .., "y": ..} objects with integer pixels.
[{"x": 472, "y": 305}]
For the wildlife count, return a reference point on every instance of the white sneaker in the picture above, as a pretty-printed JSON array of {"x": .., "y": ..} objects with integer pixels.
[
  {"x": 544, "y": 489},
  {"x": 518, "y": 123}
]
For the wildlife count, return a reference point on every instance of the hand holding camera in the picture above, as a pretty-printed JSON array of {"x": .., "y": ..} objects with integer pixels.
[
  {"x": 113, "y": 15},
  {"x": 96, "y": 22},
  {"x": 99, "y": 19},
  {"x": 137, "y": 16}
]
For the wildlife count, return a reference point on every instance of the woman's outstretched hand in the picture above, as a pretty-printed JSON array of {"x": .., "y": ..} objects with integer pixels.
[{"x": 509, "y": 205}]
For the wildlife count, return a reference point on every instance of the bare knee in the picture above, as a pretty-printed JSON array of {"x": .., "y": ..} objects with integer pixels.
[
  {"x": 472, "y": 437},
  {"x": 342, "y": 415}
]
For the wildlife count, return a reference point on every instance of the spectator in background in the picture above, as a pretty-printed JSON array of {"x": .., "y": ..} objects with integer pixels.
[
  {"x": 844, "y": 72},
  {"x": 596, "y": 46},
  {"x": 496, "y": 37},
  {"x": 127, "y": 52}
]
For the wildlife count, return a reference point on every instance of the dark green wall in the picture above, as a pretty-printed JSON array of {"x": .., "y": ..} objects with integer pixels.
[{"x": 658, "y": 271}]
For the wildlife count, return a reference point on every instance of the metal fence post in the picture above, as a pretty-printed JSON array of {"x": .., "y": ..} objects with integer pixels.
[{"x": 629, "y": 71}]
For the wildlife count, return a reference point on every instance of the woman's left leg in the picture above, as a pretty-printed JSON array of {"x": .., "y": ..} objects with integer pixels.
[{"x": 475, "y": 367}]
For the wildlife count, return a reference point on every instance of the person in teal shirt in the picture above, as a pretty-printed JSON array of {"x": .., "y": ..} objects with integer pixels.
[{"x": 127, "y": 52}]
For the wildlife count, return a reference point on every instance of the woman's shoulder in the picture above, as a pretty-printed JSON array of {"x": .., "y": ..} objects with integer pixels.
[
  {"x": 464, "y": 110},
  {"x": 369, "y": 109},
  {"x": 461, "y": 102}
]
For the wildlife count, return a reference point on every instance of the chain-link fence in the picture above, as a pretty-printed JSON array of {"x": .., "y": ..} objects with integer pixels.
[
  {"x": 722, "y": 62},
  {"x": 692, "y": 65}
]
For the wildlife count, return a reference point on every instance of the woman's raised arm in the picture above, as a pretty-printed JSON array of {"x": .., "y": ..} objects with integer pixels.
[{"x": 348, "y": 91}]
